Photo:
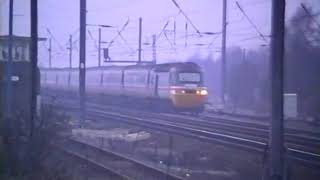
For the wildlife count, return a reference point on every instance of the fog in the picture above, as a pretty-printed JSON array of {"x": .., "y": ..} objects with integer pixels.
[{"x": 162, "y": 107}]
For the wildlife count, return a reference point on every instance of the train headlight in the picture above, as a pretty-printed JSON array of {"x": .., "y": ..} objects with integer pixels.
[
  {"x": 173, "y": 91},
  {"x": 202, "y": 92}
]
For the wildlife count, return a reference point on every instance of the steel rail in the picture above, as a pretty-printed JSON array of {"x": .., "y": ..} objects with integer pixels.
[
  {"x": 244, "y": 131},
  {"x": 246, "y": 144},
  {"x": 94, "y": 163},
  {"x": 136, "y": 166}
]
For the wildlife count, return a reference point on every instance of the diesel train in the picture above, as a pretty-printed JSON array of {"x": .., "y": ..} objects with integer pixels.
[{"x": 179, "y": 85}]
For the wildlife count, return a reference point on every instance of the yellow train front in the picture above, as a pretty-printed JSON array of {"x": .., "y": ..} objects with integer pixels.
[
  {"x": 188, "y": 99},
  {"x": 185, "y": 90}
]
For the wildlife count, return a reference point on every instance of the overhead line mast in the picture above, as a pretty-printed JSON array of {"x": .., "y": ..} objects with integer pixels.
[
  {"x": 277, "y": 69},
  {"x": 223, "y": 52},
  {"x": 82, "y": 61}
]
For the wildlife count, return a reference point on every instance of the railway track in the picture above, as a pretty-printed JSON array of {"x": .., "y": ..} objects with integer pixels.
[
  {"x": 254, "y": 121},
  {"x": 242, "y": 120},
  {"x": 209, "y": 136},
  {"x": 251, "y": 137},
  {"x": 119, "y": 165},
  {"x": 207, "y": 122}
]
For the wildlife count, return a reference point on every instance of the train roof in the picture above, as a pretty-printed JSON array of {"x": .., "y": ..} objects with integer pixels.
[
  {"x": 176, "y": 66},
  {"x": 165, "y": 67}
]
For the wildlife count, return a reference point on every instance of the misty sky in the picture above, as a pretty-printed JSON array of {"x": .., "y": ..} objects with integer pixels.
[{"x": 62, "y": 19}]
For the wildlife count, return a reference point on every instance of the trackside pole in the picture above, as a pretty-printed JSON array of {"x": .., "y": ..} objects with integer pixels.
[
  {"x": 154, "y": 49},
  {"x": 8, "y": 126},
  {"x": 34, "y": 62},
  {"x": 277, "y": 68},
  {"x": 82, "y": 64},
  {"x": 223, "y": 52},
  {"x": 99, "y": 48},
  {"x": 140, "y": 41}
]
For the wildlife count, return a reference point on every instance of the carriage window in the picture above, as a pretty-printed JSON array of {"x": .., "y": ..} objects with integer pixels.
[
  {"x": 135, "y": 78},
  {"x": 112, "y": 77},
  {"x": 189, "y": 77},
  {"x": 163, "y": 79}
]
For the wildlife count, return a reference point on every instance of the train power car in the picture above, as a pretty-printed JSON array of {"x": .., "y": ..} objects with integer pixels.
[{"x": 180, "y": 85}]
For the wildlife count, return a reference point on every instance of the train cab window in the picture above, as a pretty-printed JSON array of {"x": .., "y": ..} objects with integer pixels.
[{"x": 187, "y": 77}]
